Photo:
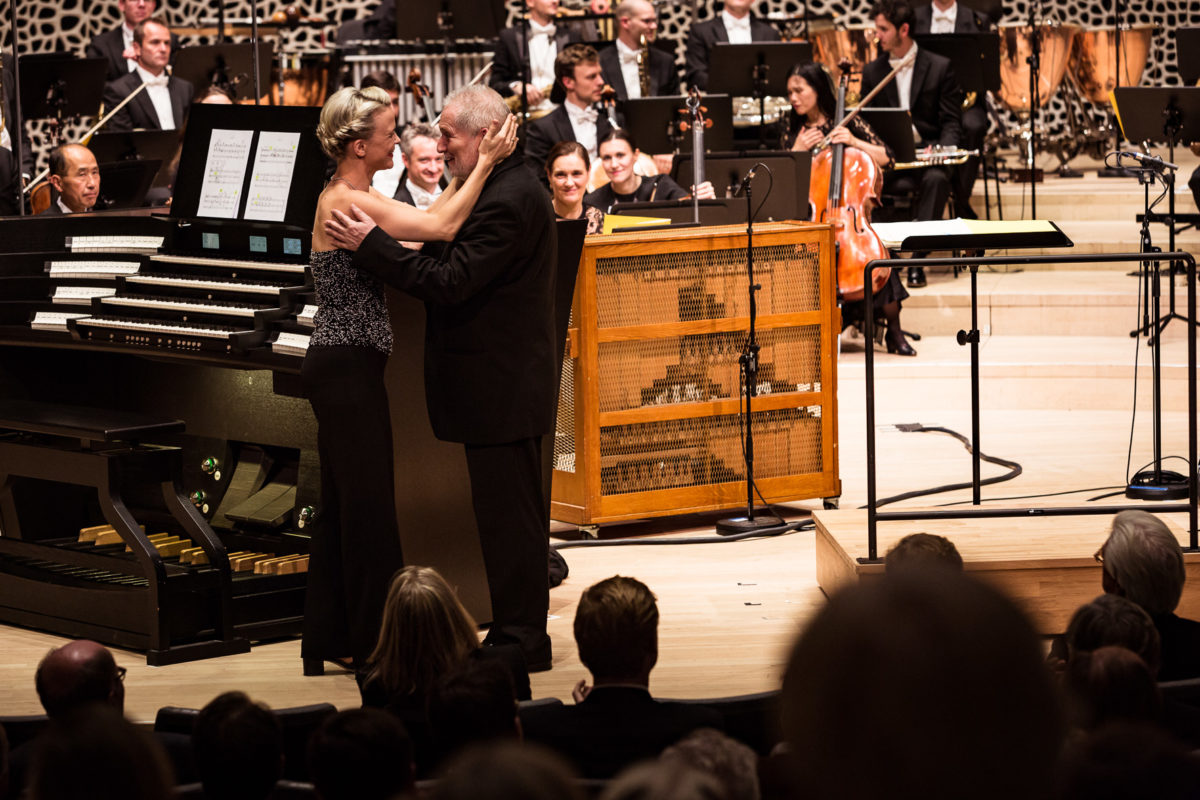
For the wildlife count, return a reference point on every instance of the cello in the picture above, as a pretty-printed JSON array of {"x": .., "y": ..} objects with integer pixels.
[{"x": 843, "y": 189}]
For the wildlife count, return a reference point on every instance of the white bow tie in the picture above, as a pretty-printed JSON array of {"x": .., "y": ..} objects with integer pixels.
[
  {"x": 942, "y": 18},
  {"x": 589, "y": 114},
  {"x": 541, "y": 30},
  {"x": 628, "y": 58},
  {"x": 739, "y": 24},
  {"x": 161, "y": 80}
]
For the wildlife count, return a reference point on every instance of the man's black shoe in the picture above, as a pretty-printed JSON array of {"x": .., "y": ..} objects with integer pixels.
[{"x": 916, "y": 277}]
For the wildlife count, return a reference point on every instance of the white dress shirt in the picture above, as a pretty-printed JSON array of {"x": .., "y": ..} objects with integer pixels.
[
  {"x": 583, "y": 122},
  {"x": 904, "y": 80},
  {"x": 421, "y": 198},
  {"x": 127, "y": 37},
  {"x": 156, "y": 89},
  {"x": 738, "y": 29},
  {"x": 542, "y": 51},
  {"x": 629, "y": 69},
  {"x": 943, "y": 21},
  {"x": 387, "y": 181},
  {"x": 64, "y": 207}
]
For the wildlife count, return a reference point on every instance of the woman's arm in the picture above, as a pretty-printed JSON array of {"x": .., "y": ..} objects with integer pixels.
[{"x": 878, "y": 153}]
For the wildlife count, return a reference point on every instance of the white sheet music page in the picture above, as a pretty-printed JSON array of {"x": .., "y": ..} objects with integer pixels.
[
  {"x": 272, "y": 176},
  {"x": 224, "y": 173}
]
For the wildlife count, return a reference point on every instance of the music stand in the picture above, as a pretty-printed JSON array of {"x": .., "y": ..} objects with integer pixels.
[
  {"x": 468, "y": 19},
  {"x": 1187, "y": 49},
  {"x": 57, "y": 86},
  {"x": 124, "y": 184},
  {"x": 654, "y": 123},
  {"x": 790, "y": 169},
  {"x": 228, "y": 66},
  {"x": 894, "y": 126},
  {"x": 718, "y": 211},
  {"x": 759, "y": 70},
  {"x": 135, "y": 146}
]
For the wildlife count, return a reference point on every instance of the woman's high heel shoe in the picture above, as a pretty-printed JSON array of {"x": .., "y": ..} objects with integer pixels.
[{"x": 903, "y": 348}]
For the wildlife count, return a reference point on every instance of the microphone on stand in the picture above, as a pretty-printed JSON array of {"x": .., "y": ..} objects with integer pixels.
[
  {"x": 745, "y": 181},
  {"x": 1146, "y": 160}
]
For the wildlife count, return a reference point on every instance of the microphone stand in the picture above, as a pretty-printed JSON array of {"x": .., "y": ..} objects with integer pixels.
[
  {"x": 1035, "y": 62},
  {"x": 18, "y": 124},
  {"x": 526, "y": 64},
  {"x": 254, "y": 50}
]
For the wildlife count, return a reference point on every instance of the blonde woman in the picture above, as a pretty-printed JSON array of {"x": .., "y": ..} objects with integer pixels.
[{"x": 355, "y": 547}]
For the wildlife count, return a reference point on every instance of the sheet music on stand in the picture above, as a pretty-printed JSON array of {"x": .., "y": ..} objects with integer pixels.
[{"x": 971, "y": 234}]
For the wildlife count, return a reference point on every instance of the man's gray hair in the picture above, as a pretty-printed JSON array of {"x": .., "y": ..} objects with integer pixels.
[
  {"x": 475, "y": 107},
  {"x": 1144, "y": 557},
  {"x": 412, "y": 131}
]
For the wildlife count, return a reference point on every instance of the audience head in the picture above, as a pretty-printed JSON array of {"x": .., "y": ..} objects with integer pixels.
[
  {"x": 893, "y": 25},
  {"x": 358, "y": 124},
  {"x": 1110, "y": 684},
  {"x": 77, "y": 674},
  {"x": 361, "y": 754},
  {"x": 75, "y": 175},
  {"x": 616, "y": 629},
  {"x": 466, "y": 117},
  {"x": 810, "y": 92},
  {"x": 474, "y": 703},
  {"x": 923, "y": 551},
  {"x": 96, "y": 753},
  {"x": 134, "y": 11},
  {"x": 419, "y": 152},
  {"x": 922, "y": 684},
  {"x": 731, "y": 763},
  {"x": 568, "y": 168},
  {"x": 507, "y": 771},
  {"x": 238, "y": 746},
  {"x": 1114, "y": 620},
  {"x": 425, "y": 633},
  {"x": 1125, "y": 760},
  {"x": 577, "y": 68},
  {"x": 618, "y": 153},
  {"x": 4, "y": 763},
  {"x": 1142, "y": 561},
  {"x": 152, "y": 44},
  {"x": 215, "y": 95},
  {"x": 635, "y": 19},
  {"x": 665, "y": 779},
  {"x": 385, "y": 80}
]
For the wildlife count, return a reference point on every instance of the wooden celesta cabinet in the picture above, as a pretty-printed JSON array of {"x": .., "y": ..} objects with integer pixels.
[{"x": 649, "y": 420}]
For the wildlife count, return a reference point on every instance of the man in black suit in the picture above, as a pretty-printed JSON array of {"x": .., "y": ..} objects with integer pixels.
[
  {"x": 925, "y": 85},
  {"x": 735, "y": 25},
  {"x": 547, "y": 38},
  {"x": 424, "y": 170},
  {"x": 577, "y": 119},
  {"x": 637, "y": 20},
  {"x": 950, "y": 16},
  {"x": 616, "y": 722},
  {"x": 11, "y": 178},
  {"x": 491, "y": 371},
  {"x": 116, "y": 46},
  {"x": 164, "y": 103},
  {"x": 75, "y": 177}
]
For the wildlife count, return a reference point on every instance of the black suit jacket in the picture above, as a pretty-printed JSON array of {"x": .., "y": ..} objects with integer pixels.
[
  {"x": 140, "y": 112},
  {"x": 491, "y": 371},
  {"x": 935, "y": 97},
  {"x": 110, "y": 46},
  {"x": 510, "y": 60},
  {"x": 664, "y": 78},
  {"x": 404, "y": 195},
  {"x": 548, "y": 131},
  {"x": 613, "y": 727},
  {"x": 10, "y": 178},
  {"x": 966, "y": 20},
  {"x": 704, "y": 35}
]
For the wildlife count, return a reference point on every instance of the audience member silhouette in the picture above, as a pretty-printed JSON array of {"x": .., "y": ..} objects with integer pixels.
[
  {"x": 616, "y": 722},
  {"x": 671, "y": 779},
  {"x": 361, "y": 754},
  {"x": 921, "y": 685},
  {"x": 1128, "y": 760},
  {"x": 733, "y": 764},
  {"x": 1142, "y": 560},
  {"x": 923, "y": 550},
  {"x": 507, "y": 771},
  {"x": 238, "y": 746},
  {"x": 473, "y": 704},
  {"x": 1110, "y": 684}
]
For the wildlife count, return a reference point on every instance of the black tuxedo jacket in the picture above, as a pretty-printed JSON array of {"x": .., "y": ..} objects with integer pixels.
[
  {"x": 10, "y": 176},
  {"x": 936, "y": 97},
  {"x": 664, "y": 78},
  {"x": 404, "y": 195},
  {"x": 613, "y": 727},
  {"x": 704, "y": 35},
  {"x": 510, "y": 60},
  {"x": 966, "y": 20},
  {"x": 491, "y": 371},
  {"x": 140, "y": 112},
  {"x": 110, "y": 46},
  {"x": 551, "y": 129}
]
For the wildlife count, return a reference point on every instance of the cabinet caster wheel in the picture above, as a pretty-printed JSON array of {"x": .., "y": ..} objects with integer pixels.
[
  {"x": 831, "y": 503},
  {"x": 589, "y": 531}
]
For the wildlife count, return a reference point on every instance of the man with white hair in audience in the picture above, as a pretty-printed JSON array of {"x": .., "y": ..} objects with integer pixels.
[{"x": 1142, "y": 561}]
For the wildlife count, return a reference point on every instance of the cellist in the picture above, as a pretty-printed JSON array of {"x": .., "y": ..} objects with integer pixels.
[{"x": 810, "y": 91}]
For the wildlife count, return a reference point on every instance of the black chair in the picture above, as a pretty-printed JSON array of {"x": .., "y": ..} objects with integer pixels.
[
  {"x": 23, "y": 728},
  {"x": 284, "y": 790},
  {"x": 749, "y": 718},
  {"x": 1187, "y": 692},
  {"x": 538, "y": 703}
]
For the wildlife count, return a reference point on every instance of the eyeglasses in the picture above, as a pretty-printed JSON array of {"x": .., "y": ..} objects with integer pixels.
[
  {"x": 1099, "y": 555},
  {"x": 121, "y": 674}
]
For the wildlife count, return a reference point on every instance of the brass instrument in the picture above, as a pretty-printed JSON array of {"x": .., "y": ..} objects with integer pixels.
[
  {"x": 643, "y": 65},
  {"x": 514, "y": 104},
  {"x": 938, "y": 157}
]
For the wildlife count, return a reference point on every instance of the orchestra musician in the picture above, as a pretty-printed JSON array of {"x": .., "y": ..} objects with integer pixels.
[
  {"x": 11, "y": 178},
  {"x": 1194, "y": 180},
  {"x": 637, "y": 22},
  {"x": 950, "y": 16},
  {"x": 547, "y": 39},
  {"x": 164, "y": 103},
  {"x": 75, "y": 177},
  {"x": 928, "y": 89},
  {"x": 619, "y": 153},
  {"x": 810, "y": 91},
  {"x": 568, "y": 168},
  {"x": 116, "y": 46},
  {"x": 736, "y": 25},
  {"x": 424, "y": 169},
  {"x": 578, "y": 119},
  {"x": 355, "y": 548}
]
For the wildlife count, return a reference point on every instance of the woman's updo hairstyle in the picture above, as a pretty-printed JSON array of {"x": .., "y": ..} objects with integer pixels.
[{"x": 348, "y": 115}]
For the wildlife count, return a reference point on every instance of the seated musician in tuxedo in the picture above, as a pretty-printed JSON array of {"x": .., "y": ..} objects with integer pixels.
[
  {"x": 950, "y": 16},
  {"x": 547, "y": 38},
  {"x": 116, "y": 46},
  {"x": 424, "y": 168},
  {"x": 926, "y": 86},
  {"x": 736, "y": 25},
  {"x": 1194, "y": 180},
  {"x": 11, "y": 178},
  {"x": 164, "y": 103},
  {"x": 75, "y": 177},
  {"x": 577, "y": 69},
  {"x": 637, "y": 21}
]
